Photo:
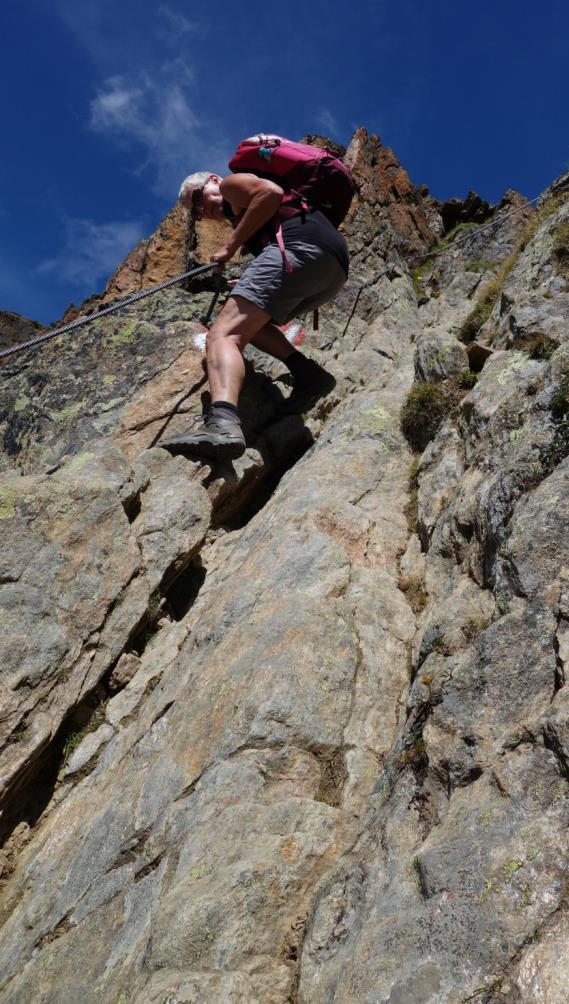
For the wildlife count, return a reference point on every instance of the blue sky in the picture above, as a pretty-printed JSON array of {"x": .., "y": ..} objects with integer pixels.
[{"x": 108, "y": 104}]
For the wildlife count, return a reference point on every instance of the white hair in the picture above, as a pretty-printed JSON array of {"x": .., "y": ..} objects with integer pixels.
[{"x": 193, "y": 182}]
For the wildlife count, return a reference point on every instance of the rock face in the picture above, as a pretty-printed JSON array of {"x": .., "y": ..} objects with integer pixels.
[
  {"x": 14, "y": 328},
  {"x": 296, "y": 729},
  {"x": 160, "y": 257}
]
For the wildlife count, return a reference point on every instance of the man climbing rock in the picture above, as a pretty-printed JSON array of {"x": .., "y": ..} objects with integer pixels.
[{"x": 298, "y": 267}]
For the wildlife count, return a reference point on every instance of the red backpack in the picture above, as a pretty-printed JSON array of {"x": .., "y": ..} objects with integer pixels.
[{"x": 311, "y": 177}]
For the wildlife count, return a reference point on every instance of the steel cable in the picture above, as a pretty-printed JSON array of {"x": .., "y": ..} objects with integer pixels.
[{"x": 87, "y": 318}]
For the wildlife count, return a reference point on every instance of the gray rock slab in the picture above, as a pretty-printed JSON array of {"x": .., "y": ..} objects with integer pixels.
[
  {"x": 439, "y": 356},
  {"x": 256, "y": 728},
  {"x": 74, "y": 556}
]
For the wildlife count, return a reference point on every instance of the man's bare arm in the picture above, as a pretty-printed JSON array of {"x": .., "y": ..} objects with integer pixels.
[{"x": 259, "y": 198}]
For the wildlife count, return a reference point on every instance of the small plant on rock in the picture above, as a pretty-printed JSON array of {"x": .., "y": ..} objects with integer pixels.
[
  {"x": 484, "y": 994},
  {"x": 415, "y": 593},
  {"x": 440, "y": 644},
  {"x": 417, "y": 280},
  {"x": 72, "y": 742},
  {"x": 412, "y": 753},
  {"x": 424, "y": 411},
  {"x": 560, "y": 401},
  {"x": 19, "y": 734},
  {"x": 561, "y": 248},
  {"x": 479, "y": 265},
  {"x": 541, "y": 347},
  {"x": 502, "y": 606},
  {"x": 529, "y": 475},
  {"x": 549, "y": 206},
  {"x": 556, "y": 451},
  {"x": 474, "y": 627},
  {"x": 412, "y": 506},
  {"x": 467, "y": 379},
  {"x": 485, "y": 303},
  {"x": 455, "y": 232}
]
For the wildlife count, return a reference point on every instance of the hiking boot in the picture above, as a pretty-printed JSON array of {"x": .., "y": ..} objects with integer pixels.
[
  {"x": 312, "y": 383},
  {"x": 218, "y": 438}
]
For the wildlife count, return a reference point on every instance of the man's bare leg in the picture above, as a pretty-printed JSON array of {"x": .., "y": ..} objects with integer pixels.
[
  {"x": 239, "y": 323},
  {"x": 271, "y": 340},
  {"x": 227, "y": 340},
  {"x": 310, "y": 379},
  {"x": 221, "y": 437}
]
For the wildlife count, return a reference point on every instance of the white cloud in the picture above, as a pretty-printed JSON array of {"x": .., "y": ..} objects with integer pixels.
[
  {"x": 112, "y": 36},
  {"x": 90, "y": 25},
  {"x": 153, "y": 115},
  {"x": 175, "y": 25},
  {"x": 146, "y": 96},
  {"x": 327, "y": 123},
  {"x": 92, "y": 251},
  {"x": 147, "y": 108}
]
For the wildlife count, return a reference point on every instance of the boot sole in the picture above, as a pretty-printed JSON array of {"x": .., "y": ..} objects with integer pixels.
[{"x": 222, "y": 450}]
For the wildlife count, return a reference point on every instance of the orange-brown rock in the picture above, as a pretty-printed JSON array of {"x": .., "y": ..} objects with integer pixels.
[
  {"x": 173, "y": 248},
  {"x": 381, "y": 177},
  {"x": 325, "y": 143},
  {"x": 383, "y": 183},
  {"x": 88, "y": 306},
  {"x": 210, "y": 235},
  {"x": 162, "y": 256}
]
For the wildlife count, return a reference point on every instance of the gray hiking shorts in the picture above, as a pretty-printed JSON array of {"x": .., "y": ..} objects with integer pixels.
[{"x": 316, "y": 278}]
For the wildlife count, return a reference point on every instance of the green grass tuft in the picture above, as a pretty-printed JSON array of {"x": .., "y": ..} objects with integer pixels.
[
  {"x": 412, "y": 506},
  {"x": 490, "y": 292},
  {"x": 72, "y": 742},
  {"x": 479, "y": 265},
  {"x": 414, "y": 593},
  {"x": 561, "y": 248},
  {"x": 560, "y": 401},
  {"x": 484, "y": 305},
  {"x": 456, "y": 231},
  {"x": 467, "y": 379},
  {"x": 540, "y": 347},
  {"x": 423, "y": 413}
]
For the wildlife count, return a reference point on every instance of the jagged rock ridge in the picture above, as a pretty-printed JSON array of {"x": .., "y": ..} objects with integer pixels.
[{"x": 298, "y": 728}]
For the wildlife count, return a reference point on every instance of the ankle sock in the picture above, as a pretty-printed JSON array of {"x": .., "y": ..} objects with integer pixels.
[{"x": 223, "y": 409}]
